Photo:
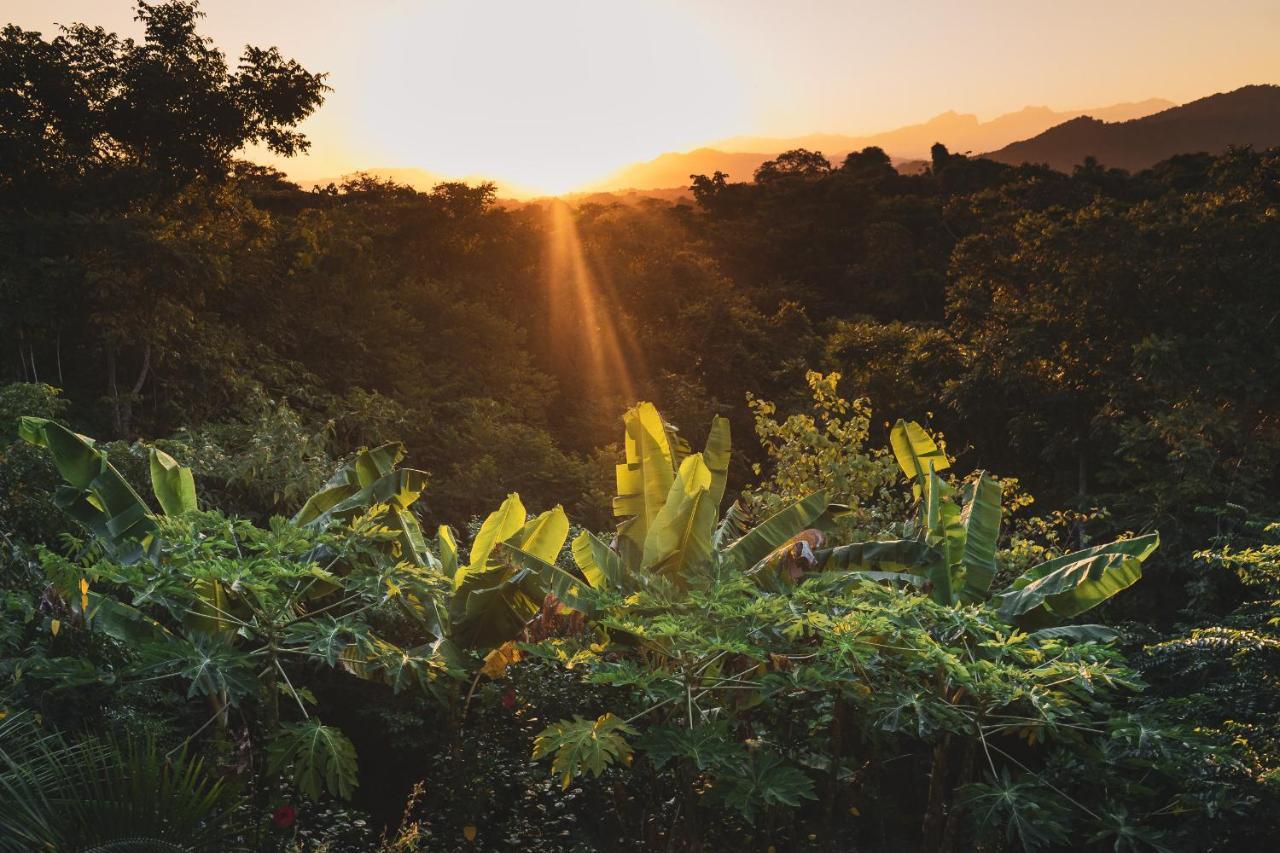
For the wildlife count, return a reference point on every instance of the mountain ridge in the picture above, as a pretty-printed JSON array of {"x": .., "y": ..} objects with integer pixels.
[
  {"x": 1249, "y": 115},
  {"x": 958, "y": 131}
]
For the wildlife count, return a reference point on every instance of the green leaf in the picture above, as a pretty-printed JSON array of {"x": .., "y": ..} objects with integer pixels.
[
  {"x": 1069, "y": 585},
  {"x": 770, "y": 534},
  {"x": 499, "y": 526},
  {"x": 322, "y": 758},
  {"x": 447, "y": 547},
  {"x": 645, "y": 478},
  {"x": 544, "y": 536},
  {"x": 916, "y": 452},
  {"x": 96, "y": 495},
  {"x": 980, "y": 519},
  {"x": 579, "y": 745},
  {"x": 370, "y": 480},
  {"x": 173, "y": 484},
  {"x": 679, "y": 539},
  {"x": 909, "y": 556},
  {"x": 716, "y": 457},
  {"x": 709, "y": 747},
  {"x": 600, "y": 564},
  {"x": 766, "y": 781},
  {"x": 570, "y": 590},
  {"x": 1076, "y": 634}
]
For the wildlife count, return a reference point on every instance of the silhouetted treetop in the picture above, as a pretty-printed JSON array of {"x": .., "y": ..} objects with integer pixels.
[{"x": 168, "y": 108}]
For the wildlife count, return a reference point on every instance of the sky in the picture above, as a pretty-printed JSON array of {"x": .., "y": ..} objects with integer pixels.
[{"x": 550, "y": 95}]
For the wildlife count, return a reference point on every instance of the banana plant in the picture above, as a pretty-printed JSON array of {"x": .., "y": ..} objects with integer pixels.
[
  {"x": 509, "y": 573},
  {"x": 951, "y": 549},
  {"x": 372, "y": 481},
  {"x": 672, "y": 532}
]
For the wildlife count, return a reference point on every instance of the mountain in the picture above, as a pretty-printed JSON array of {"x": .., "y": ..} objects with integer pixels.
[
  {"x": 958, "y": 131},
  {"x": 741, "y": 156},
  {"x": 1246, "y": 116}
]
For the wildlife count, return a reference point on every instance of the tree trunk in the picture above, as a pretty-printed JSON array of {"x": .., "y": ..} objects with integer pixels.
[
  {"x": 122, "y": 414},
  {"x": 935, "y": 814},
  {"x": 963, "y": 774}
]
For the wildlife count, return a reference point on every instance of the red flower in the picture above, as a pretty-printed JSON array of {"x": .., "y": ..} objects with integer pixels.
[
  {"x": 509, "y": 698},
  {"x": 284, "y": 816}
]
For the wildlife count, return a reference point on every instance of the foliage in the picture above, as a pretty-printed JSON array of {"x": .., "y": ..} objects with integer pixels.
[
  {"x": 580, "y": 745},
  {"x": 321, "y": 756},
  {"x": 825, "y": 450},
  {"x": 108, "y": 793},
  {"x": 726, "y": 657},
  {"x": 1221, "y": 671}
]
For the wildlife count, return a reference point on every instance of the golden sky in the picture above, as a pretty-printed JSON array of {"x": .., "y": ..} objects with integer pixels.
[{"x": 548, "y": 95}]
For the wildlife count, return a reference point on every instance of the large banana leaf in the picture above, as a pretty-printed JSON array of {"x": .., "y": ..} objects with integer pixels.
[
  {"x": 501, "y": 524},
  {"x": 679, "y": 539},
  {"x": 1069, "y": 585},
  {"x": 511, "y": 571},
  {"x": 447, "y": 548},
  {"x": 944, "y": 531},
  {"x": 493, "y": 605},
  {"x": 916, "y": 452},
  {"x": 173, "y": 484},
  {"x": 96, "y": 495},
  {"x": 716, "y": 457},
  {"x": 770, "y": 534},
  {"x": 599, "y": 563},
  {"x": 906, "y": 556},
  {"x": 645, "y": 478},
  {"x": 980, "y": 520},
  {"x": 544, "y": 536}
]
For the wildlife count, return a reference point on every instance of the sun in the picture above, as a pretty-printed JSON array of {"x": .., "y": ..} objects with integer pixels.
[{"x": 546, "y": 95}]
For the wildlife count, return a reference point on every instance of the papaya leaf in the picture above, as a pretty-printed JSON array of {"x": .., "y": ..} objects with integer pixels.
[
  {"x": 321, "y": 758},
  {"x": 579, "y": 745}
]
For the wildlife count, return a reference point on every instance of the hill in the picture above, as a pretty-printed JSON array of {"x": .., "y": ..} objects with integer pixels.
[
  {"x": 1245, "y": 116},
  {"x": 741, "y": 156}
]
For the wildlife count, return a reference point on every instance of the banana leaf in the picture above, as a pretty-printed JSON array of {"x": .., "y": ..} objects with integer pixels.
[
  {"x": 173, "y": 484},
  {"x": 1075, "y": 633},
  {"x": 572, "y": 591},
  {"x": 716, "y": 457},
  {"x": 916, "y": 452},
  {"x": 544, "y": 535},
  {"x": 980, "y": 520},
  {"x": 678, "y": 541},
  {"x": 645, "y": 478},
  {"x": 96, "y": 495},
  {"x": 897, "y": 556},
  {"x": 771, "y": 533},
  {"x": 367, "y": 481},
  {"x": 1069, "y": 585},
  {"x": 599, "y": 563}
]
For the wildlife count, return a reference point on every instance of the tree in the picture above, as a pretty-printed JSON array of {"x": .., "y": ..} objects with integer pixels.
[
  {"x": 797, "y": 163},
  {"x": 168, "y": 109}
]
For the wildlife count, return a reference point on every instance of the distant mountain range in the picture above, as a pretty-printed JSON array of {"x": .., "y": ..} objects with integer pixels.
[
  {"x": 1247, "y": 116},
  {"x": 1128, "y": 136},
  {"x": 740, "y": 156}
]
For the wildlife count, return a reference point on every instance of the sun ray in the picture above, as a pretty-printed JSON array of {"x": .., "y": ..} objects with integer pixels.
[{"x": 580, "y": 319}]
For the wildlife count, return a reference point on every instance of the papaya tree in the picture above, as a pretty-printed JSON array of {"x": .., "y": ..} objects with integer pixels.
[{"x": 239, "y": 614}]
